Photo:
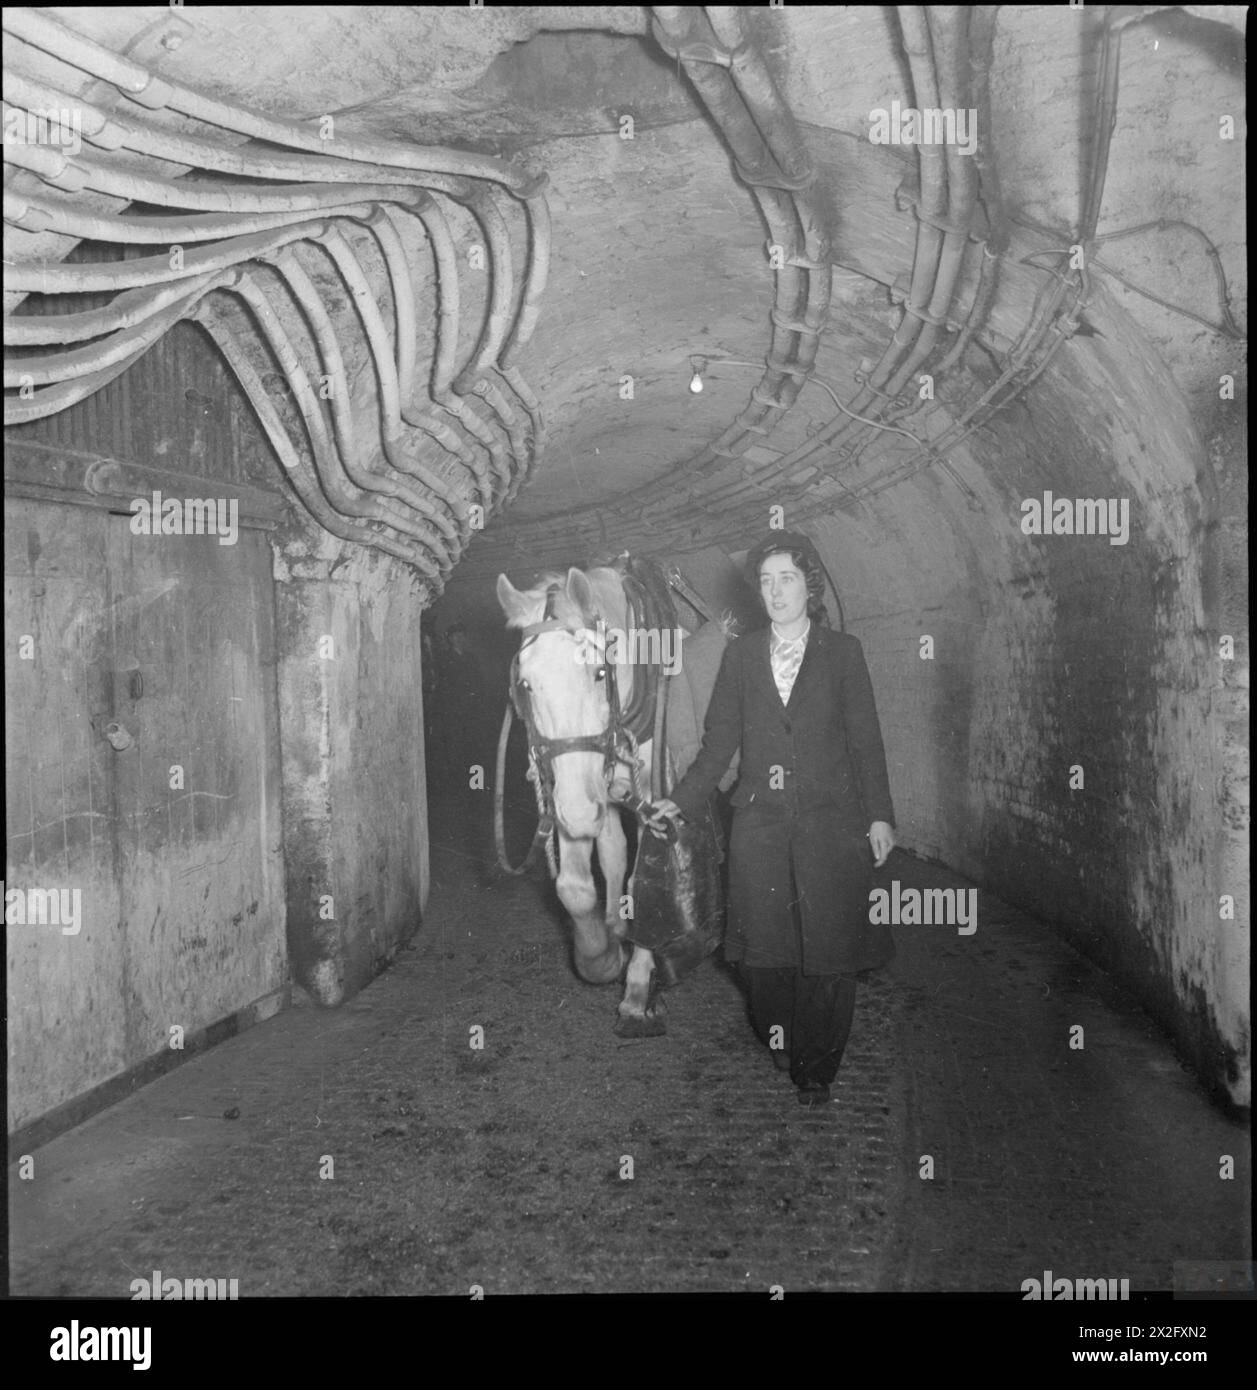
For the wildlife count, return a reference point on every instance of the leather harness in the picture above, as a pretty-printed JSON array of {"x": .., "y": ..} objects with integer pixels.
[
  {"x": 648, "y": 595},
  {"x": 648, "y": 604}
]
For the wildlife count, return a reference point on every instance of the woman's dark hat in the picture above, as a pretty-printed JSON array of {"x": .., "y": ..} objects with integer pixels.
[{"x": 773, "y": 544}]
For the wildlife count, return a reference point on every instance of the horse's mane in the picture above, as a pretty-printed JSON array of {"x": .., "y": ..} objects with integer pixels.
[{"x": 608, "y": 597}]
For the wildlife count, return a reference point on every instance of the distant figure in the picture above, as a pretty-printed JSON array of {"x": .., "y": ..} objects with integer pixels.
[{"x": 462, "y": 697}]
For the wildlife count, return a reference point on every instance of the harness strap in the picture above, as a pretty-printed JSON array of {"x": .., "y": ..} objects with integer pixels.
[{"x": 648, "y": 605}]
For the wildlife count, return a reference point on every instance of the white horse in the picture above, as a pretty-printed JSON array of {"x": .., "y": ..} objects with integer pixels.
[{"x": 562, "y": 673}]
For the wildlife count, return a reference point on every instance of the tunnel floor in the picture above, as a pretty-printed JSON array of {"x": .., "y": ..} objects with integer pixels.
[{"x": 505, "y": 1167}]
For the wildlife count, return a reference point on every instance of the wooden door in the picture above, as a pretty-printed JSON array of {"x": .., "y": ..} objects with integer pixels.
[{"x": 167, "y": 645}]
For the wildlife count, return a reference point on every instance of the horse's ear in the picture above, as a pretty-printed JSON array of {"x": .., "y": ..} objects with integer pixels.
[
  {"x": 580, "y": 591},
  {"x": 514, "y": 604}
]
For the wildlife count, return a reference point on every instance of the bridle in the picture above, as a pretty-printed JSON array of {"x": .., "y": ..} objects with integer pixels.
[
  {"x": 617, "y": 742},
  {"x": 648, "y": 602}
]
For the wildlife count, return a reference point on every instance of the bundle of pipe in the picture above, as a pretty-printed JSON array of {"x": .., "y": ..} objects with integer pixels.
[
  {"x": 950, "y": 52},
  {"x": 944, "y": 74},
  {"x": 421, "y": 514},
  {"x": 1046, "y": 330},
  {"x": 769, "y": 156},
  {"x": 1030, "y": 357}
]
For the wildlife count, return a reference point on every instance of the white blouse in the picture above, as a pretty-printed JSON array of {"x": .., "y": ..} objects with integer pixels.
[{"x": 787, "y": 657}]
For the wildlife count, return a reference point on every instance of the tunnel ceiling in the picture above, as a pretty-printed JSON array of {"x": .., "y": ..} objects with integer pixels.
[{"x": 660, "y": 250}]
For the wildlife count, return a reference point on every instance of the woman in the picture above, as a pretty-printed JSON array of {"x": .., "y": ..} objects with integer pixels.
[{"x": 812, "y": 798}]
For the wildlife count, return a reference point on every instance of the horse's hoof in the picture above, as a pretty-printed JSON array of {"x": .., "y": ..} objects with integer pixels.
[{"x": 649, "y": 1025}]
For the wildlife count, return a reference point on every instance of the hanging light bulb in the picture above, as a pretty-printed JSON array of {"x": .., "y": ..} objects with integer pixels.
[{"x": 699, "y": 366}]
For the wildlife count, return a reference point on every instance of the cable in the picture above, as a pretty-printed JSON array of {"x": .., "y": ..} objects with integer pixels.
[{"x": 816, "y": 381}]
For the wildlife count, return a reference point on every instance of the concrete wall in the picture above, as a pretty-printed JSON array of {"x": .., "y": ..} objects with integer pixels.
[
  {"x": 355, "y": 807},
  {"x": 1058, "y": 652}
]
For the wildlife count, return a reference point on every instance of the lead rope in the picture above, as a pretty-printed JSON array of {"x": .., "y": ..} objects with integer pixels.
[
  {"x": 545, "y": 820},
  {"x": 545, "y": 823}
]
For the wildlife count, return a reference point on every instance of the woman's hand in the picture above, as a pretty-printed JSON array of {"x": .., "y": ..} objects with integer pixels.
[
  {"x": 882, "y": 839},
  {"x": 664, "y": 811}
]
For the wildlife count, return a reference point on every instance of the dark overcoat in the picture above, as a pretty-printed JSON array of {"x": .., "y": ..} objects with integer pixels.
[{"x": 812, "y": 780}]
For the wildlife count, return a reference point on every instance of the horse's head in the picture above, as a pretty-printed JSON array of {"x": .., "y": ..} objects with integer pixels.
[{"x": 561, "y": 672}]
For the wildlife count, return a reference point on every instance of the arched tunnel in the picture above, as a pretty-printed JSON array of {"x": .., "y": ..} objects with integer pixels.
[{"x": 319, "y": 320}]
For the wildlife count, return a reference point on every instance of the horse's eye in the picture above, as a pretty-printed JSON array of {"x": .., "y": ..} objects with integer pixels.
[
  {"x": 600, "y": 674},
  {"x": 523, "y": 685}
]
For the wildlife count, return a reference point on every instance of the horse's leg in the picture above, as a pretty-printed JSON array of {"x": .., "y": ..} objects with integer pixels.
[
  {"x": 599, "y": 952},
  {"x": 638, "y": 1017},
  {"x": 613, "y": 861}
]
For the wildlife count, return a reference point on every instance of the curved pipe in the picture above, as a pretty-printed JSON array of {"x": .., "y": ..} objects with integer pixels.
[
  {"x": 755, "y": 162},
  {"x": 386, "y": 374},
  {"x": 916, "y": 40},
  {"x": 157, "y": 270},
  {"x": 776, "y": 124},
  {"x": 130, "y": 344},
  {"x": 768, "y": 109},
  {"x": 791, "y": 352},
  {"x": 489, "y": 392},
  {"x": 779, "y": 129},
  {"x": 112, "y": 131},
  {"x": 50, "y": 166},
  {"x": 372, "y": 507},
  {"x": 53, "y": 399},
  {"x": 537, "y": 211},
  {"x": 191, "y": 150},
  {"x": 390, "y": 242},
  {"x": 445, "y": 261},
  {"x": 156, "y": 93},
  {"x": 403, "y": 290},
  {"x": 532, "y": 405},
  {"x": 501, "y": 291},
  {"x": 126, "y": 310},
  {"x": 299, "y": 474},
  {"x": 403, "y": 298},
  {"x": 35, "y": 214},
  {"x": 752, "y": 155},
  {"x": 481, "y": 432},
  {"x": 946, "y": 23},
  {"x": 981, "y": 58},
  {"x": 1018, "y": 372},
  {"x": 933, "y": 276},
  {"x": 364, "y": 176},
  {"x": 320, "y": 321},
  {"x": 872, "y": 398},
  {"x": 96, "y": 175}
]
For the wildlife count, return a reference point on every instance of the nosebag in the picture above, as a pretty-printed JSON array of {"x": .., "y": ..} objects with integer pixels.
[{"x": 678, "y": 896}]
